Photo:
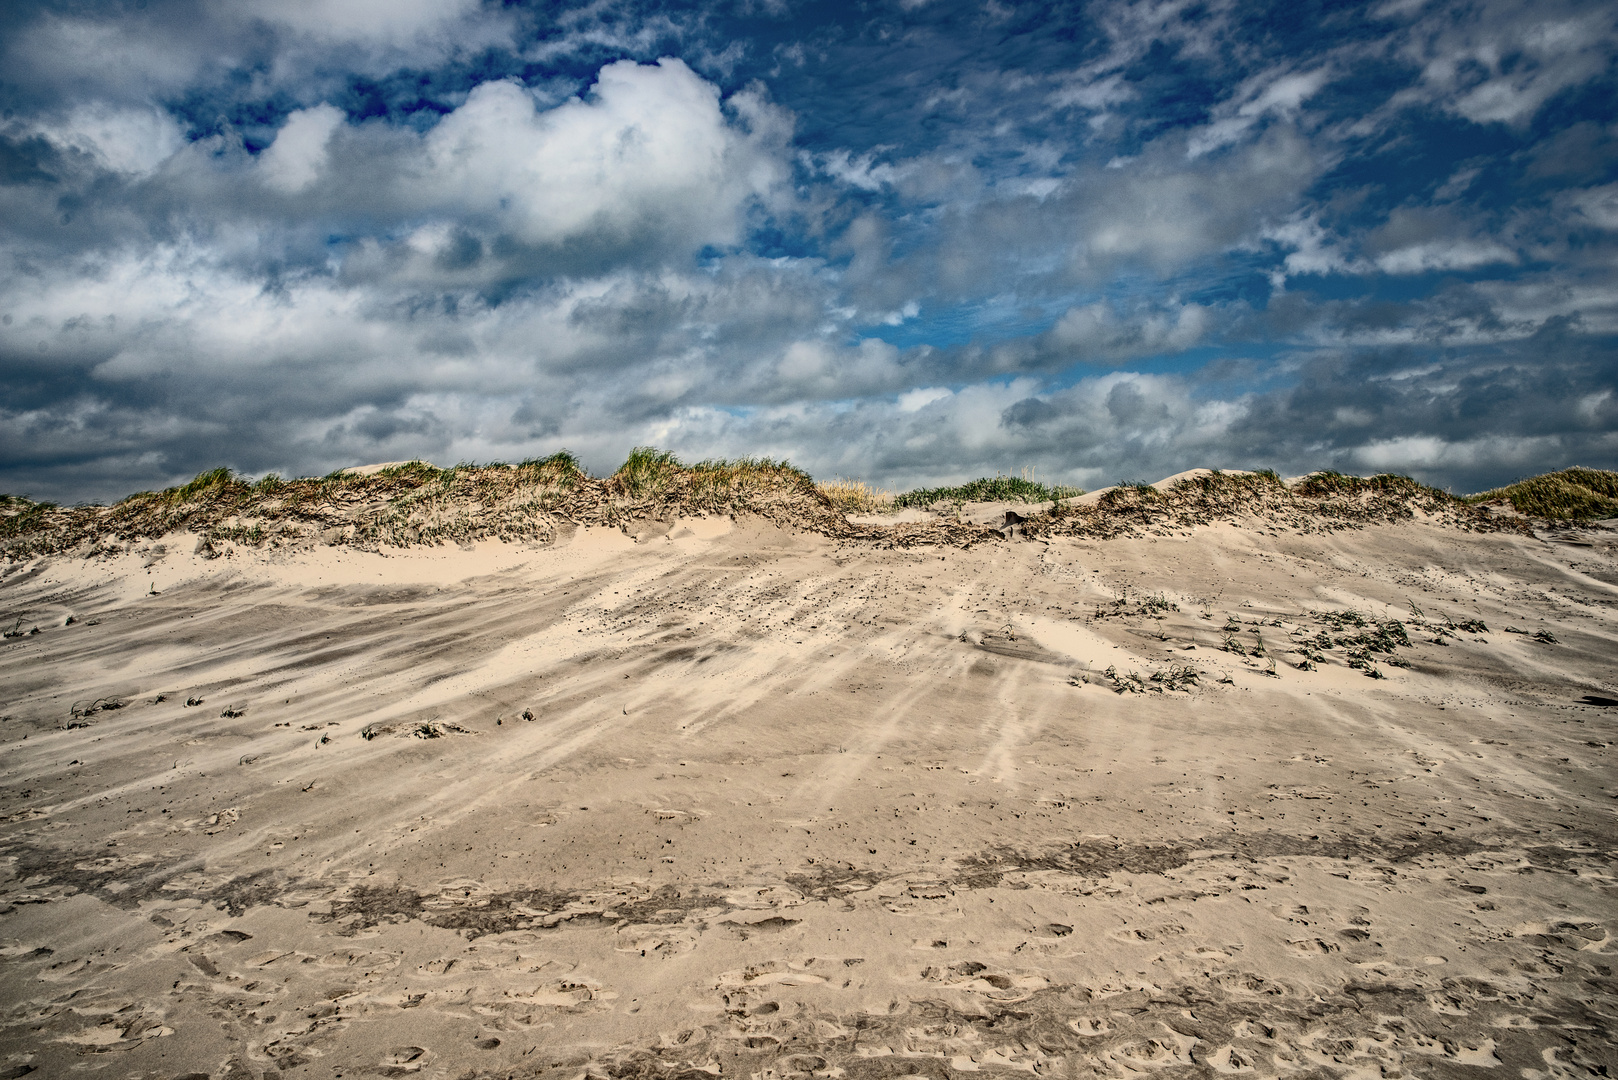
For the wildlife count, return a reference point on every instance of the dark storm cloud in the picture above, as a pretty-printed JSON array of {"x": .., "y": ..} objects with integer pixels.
[{"x": 907, "y": 242}]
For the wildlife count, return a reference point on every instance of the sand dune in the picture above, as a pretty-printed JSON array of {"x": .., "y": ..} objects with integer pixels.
[{"x": 735, "y": 800}]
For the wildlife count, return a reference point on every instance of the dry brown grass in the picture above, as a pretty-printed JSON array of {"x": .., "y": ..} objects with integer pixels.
[{"x": 857, "y": 497}]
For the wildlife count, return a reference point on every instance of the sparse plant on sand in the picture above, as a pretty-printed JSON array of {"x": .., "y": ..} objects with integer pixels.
[
  {"x": 1124, "y": 684},
  {"x": 1177, "y": 677},
  {"x": 1157, "y": 603},
  {"x": 1173, "y": 677}
]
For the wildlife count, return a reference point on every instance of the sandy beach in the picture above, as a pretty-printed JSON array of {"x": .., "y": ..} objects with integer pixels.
[{"x": 726, "y": 799}]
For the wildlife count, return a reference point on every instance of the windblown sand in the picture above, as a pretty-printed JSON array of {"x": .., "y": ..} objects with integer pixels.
[{"x": 737, "y": 802}]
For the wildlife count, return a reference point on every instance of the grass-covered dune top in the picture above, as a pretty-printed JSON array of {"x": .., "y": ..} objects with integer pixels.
[
  {"x": 1322, "y": 501},
  {"x": 417, "y": 503},
  {"x": 1570, "y": 495}
]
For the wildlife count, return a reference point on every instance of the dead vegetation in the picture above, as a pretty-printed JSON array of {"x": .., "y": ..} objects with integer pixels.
[
  {"x": 857, "y": 497},
  {"x": 419, "y": 504}
]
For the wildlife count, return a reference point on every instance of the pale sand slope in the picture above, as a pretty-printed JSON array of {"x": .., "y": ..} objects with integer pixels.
[{"x": 789, "y": 808}]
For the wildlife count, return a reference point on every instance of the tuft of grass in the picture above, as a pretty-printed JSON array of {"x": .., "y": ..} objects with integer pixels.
[
  {"x": 1575, "y": 494},
  {"x": 19, "y": 514},
  {"x": 206, "y": 485},
  {"x": 988, "y": 489},
  {"x": 1328, "y": 483},
  {"x": 856, "y": 496},
  {"x": 412, "y": 470},
  {"x": 717, "y": 478},
  {"x": 21, "y": 504},
  {"x": 647, "y": 472},
  {"x": 561, "y": 469}
]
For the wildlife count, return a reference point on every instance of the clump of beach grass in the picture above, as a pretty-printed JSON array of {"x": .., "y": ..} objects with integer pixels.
[
  {"x": 857, "y": 497},
  {"x": 647, "y": 472},
  {"x": 998, "y": 488}
]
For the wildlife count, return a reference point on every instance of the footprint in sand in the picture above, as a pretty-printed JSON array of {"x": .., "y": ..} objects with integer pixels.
[
  {"x": 1146, "y": 933},
  {"x": 771, "y": 973}
]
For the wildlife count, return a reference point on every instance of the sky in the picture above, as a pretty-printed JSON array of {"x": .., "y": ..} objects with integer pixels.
[{"x": 909, "y": 242}]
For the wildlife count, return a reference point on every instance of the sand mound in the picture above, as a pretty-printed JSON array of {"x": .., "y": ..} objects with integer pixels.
[
  {"x": 738, "y": 800},
  {"x": 514, "y": 772}
]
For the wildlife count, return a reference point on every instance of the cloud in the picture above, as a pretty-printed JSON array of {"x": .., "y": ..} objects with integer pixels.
[
  {"x": 298, "y": 154},
  {"x": 1596, "y": 206},
  {"x": 129, "y": 140},
  {"x": 1094, "y": 332},
  {"x": 649, "y": 152},
  {"x": 387, "y": 21},
  {"x": 1273, "y": 93},
  {"x": 1444, "y": 255},
  {"x": 1503, "y": 61}
]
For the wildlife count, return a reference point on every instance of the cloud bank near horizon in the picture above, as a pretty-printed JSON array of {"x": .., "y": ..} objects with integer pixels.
[{"x": 911, "y": 243}]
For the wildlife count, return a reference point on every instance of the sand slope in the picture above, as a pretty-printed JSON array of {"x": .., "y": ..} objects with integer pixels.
[{"x": 742, "y": 802}]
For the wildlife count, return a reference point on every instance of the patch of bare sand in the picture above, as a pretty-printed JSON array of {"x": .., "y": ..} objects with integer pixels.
[{"x": 732, "y": 800}]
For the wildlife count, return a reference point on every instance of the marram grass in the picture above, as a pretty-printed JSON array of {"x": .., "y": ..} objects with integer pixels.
[{"x": 1574, "y": 494}]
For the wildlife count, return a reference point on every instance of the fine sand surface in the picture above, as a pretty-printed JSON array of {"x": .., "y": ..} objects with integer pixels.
[{"x": 733, "y": 801}]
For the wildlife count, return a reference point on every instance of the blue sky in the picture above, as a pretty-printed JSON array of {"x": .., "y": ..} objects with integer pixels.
[{"x": 911, "y": 242}]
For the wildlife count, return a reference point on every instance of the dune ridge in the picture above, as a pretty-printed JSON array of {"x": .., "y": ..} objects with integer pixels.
[{"x": 414, "y": 503}]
